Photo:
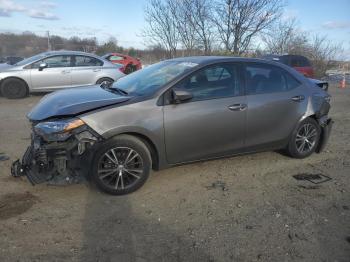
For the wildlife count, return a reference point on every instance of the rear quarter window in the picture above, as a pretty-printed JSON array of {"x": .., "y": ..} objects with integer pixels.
[
  {"x": 81, "y": 61},
  {"x": 264, "y": 79}
]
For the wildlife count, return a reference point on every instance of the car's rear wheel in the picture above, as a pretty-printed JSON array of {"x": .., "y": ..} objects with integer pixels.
[
  {"x": 14, "y": 88},
  {"x": 121, "y": 165},
  {"x": 305, "y": 139},
  {"x": 105, "y": 81}
]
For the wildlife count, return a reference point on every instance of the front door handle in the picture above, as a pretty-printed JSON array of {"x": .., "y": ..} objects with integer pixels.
[
  {"x": 237, "y": 107},
  {"x": 298, "y": 98},
  {"x": 65, "y": 72},
  {"x": 96, "y": 70}
]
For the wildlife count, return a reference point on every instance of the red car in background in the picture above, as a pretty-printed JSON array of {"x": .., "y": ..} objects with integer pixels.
[
  {"x": 298, "y": 62},
  {"x": 130, "y": 64}
]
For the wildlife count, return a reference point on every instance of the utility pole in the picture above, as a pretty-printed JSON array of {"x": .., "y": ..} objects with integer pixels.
[{"x": 48, "y": 41}]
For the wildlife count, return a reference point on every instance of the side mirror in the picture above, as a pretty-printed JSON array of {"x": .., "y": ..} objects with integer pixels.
[
  {"x": 180, "y": 96},
  {"x": 42, "y": 66}
]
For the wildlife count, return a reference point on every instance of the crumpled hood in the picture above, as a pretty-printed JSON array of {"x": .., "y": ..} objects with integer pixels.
[{"x": 73, "y": 101}]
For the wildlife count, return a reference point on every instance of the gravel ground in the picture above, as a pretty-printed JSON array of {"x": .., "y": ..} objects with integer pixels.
[{"x": 245, "y": 208}]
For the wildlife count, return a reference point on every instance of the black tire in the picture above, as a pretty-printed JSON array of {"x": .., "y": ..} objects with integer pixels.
[
  {"x": 310, "y": 129},
  {"x": 111, "y": 176},
  {"x": 14, "y": 88},
  {"x": 105, "y": 80},
  {"x": 129, "y": 69}
]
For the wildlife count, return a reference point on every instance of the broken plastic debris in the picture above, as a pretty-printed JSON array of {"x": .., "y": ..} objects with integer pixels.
[
  {"x": 313, "y": 178},
  {"x": 3, "y": 157}
]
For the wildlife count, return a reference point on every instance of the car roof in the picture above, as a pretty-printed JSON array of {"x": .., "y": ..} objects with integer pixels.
[
  {"x": 68, "y": 52},
  {"x": 271, "y": 56},
  {"x": 116, "y": 54},
  {"x": 216, "y": 59}
]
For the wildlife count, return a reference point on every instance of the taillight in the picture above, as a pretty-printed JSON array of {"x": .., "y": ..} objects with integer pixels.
[{"x": 121, "y": 69}]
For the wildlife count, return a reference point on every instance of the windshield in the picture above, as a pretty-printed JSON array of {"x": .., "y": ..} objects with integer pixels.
[
  {"x": 30, "y": 59},
  {"x": 153, "y": 77}
]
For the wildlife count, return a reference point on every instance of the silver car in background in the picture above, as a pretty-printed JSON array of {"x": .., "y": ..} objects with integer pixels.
[{"x": 55, "y": 70}]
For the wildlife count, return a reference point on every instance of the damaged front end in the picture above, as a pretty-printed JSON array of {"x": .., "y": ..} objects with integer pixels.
[{"x": 60, "y": 152}]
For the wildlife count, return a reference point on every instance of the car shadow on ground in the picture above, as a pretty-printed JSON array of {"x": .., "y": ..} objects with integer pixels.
[{"x": 113, "y": 232}]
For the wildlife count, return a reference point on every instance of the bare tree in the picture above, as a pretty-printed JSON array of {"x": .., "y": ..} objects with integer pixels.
[
  {"x": 321, "y": 52},
  {"x": 161, "y": 26},
  {"x": 282, "y": 37},
  {"x": 238, "y": 22},
  {"x": 185, "y": 29},
  {"x": 285, "y": 37},
  {"x": 199, "y": 18}
]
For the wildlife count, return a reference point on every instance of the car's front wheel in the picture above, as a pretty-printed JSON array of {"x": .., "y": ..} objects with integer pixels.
[
  {"x": 121, "y": 165},
  {"x": 105, "y": 81},
  {"x": 305, "y": 139}
]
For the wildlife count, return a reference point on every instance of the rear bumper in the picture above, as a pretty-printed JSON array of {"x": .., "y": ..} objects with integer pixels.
[{"x": 326, "y": 125}]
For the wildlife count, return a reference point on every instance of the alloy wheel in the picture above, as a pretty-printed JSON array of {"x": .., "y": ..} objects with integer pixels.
[
  {"x": 120, "y": 168},
  {"x": 306, "y": 138},
  {"x": 106, "y": 83}
]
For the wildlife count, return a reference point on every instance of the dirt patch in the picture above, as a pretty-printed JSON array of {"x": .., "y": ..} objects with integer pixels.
[
  {"x": 217, "y": 185},
  {"x": 14, "y": 204},
  {"x": 3, "y": 157},
  {"x": 185, "y": 212}
]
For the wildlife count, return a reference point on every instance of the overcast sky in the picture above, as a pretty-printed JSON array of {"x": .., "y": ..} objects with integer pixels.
[{"x": 124, "y": 19}]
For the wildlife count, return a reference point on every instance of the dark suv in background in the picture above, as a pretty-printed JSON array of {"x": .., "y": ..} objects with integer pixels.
[{"x": 298, "y": 62}]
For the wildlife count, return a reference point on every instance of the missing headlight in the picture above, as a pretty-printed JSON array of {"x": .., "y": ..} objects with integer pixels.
[{"x": 85, "y": 139}]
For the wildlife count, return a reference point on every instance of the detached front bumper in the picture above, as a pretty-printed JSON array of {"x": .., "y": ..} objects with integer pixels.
[
  {"x": 56, "y": 162},
  {"x": 28, "y": 168},
  {"x": 326, "y": 125}
]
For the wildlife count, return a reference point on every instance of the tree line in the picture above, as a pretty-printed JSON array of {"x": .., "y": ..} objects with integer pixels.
[
  {"x": 208, "y": 26},
  {"x": 28, "y": 44},
  {"x": 232, "y": 27}
]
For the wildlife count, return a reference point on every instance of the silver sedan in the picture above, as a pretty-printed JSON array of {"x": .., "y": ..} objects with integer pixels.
[{"x": 55, "y": 70}]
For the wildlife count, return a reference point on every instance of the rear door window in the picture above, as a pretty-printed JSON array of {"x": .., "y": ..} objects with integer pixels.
[
  {"x": 263, "y": 78},
  {"x": 87, "y": 61}
]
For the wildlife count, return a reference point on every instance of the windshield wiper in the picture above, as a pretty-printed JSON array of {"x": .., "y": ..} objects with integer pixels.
[{"x": 118, "y": 90}]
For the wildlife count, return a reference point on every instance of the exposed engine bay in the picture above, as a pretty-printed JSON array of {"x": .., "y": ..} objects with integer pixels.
[{"x": 57, "y": 157}]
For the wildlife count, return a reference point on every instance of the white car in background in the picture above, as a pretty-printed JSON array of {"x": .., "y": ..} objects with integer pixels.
[{"x": 55, "y": 70}]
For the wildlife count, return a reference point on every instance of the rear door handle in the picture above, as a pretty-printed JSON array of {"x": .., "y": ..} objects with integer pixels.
[
  {"x": 65, "y": 72},
  {"x": 237, "y": 107},
  {"x": 96, "y": 70},
  {"x": 298, "y": 98}
]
